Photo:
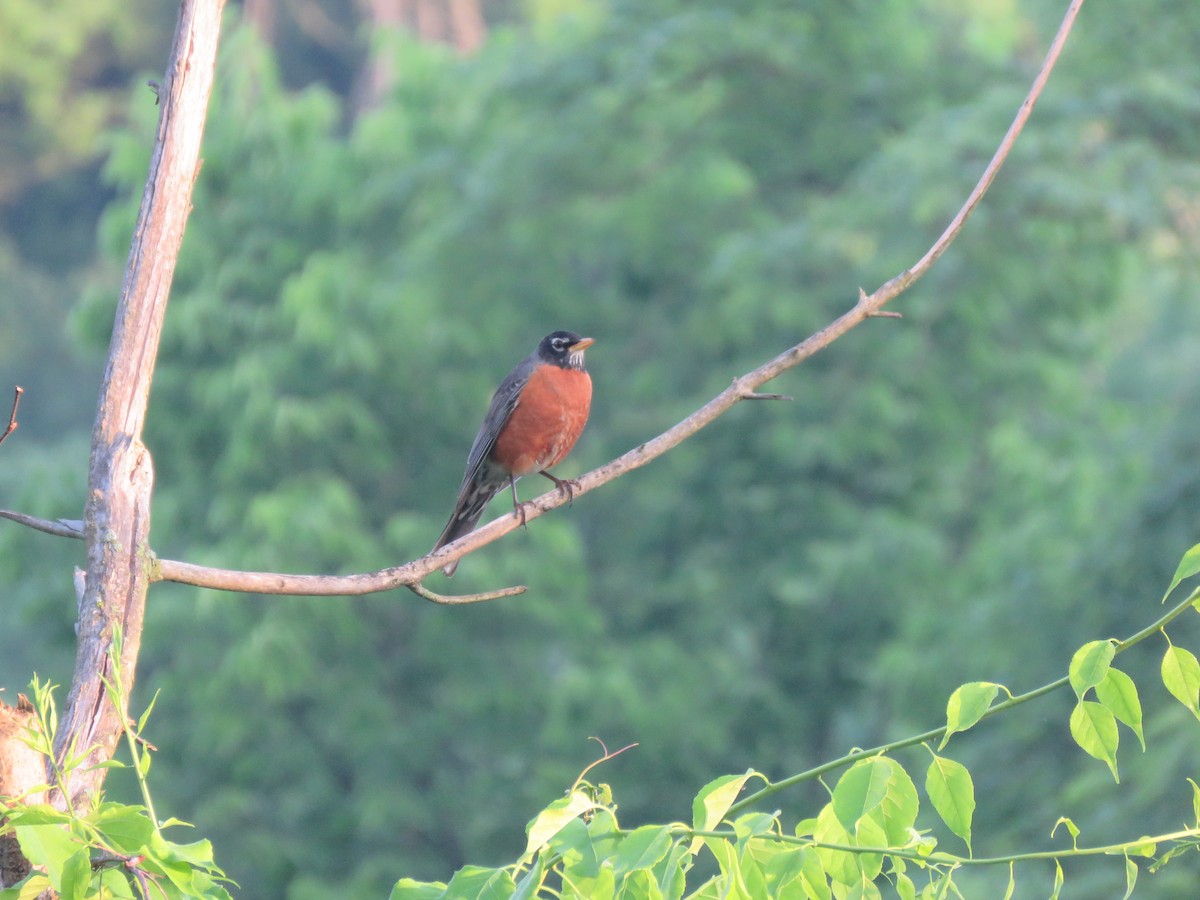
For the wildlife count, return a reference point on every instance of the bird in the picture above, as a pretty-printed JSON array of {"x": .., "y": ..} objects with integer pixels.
[{"x": 533, "y": 421}]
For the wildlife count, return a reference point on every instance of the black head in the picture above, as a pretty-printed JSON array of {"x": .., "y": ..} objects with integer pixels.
[{"x": 564, "y": 348}]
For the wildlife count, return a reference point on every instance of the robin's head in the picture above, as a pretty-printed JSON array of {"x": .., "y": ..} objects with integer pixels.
[{"x": 564, "y": 348}]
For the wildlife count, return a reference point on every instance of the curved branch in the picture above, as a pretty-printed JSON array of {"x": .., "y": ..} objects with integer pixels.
[{"x": 744, "y": 387}]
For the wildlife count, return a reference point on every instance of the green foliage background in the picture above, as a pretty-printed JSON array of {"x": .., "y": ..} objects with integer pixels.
[{"x": 969, "y": 493}]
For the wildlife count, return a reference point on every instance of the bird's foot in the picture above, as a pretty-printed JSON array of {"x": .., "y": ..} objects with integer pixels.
[
  {"x": 519, "y": 512},
  {"x": 566, "y": 486}
]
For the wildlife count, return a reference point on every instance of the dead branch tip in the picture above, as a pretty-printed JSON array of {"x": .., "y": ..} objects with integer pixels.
[{"x": 12, "y": 417}]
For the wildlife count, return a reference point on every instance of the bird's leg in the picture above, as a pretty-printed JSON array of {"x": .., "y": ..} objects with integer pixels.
[
  {"x": 518, "y": 506},
  {"x": 566, "y": 485}
]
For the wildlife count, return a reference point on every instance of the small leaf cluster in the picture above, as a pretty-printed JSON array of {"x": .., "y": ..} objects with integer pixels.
[{"x": 109, "y": 850}]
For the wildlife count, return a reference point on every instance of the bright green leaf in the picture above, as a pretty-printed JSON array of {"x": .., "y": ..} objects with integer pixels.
[
  {"x": 1131, "y": 874},
  {"x": 639, "y": 885},
  {"x": 869, "y": 833},
  {"x": 76, "y": 876},
  {"x": 905, "y": 888},
  {"x": 1095, "y": 730},
  {"x": 714, "y": 800},
  {"x": 1144, "y": 846},
  {"x": 531, "y": 882},
  {"x": 480, "y": 883},
  {"x": 967, "y": 706},
  {"x": 47, "y": 845},
  {"x": 952, "y": 792},
  {"x": 1195, "y": 802},
  {"x": 1058, "y": 880},
  {"x": 860, "y": 791},
  {"x": 1181, "y": 676},
  {"x": 1118, "y": 694},
  {"x": 1071, "y": 827},
  {"x": 1012, "y": 881},
  {"x": 1089, "y": 665},
  {"x": 881, "y": 789},
  {"x": 1188, "y": 566},
  {"x": 550, "y": 820},
  {"x": 642, "y": 848},
  {"x": 127, "y": 828},
  {"x": 839, "y": 865},
  {"x": 145, "y": 716}
]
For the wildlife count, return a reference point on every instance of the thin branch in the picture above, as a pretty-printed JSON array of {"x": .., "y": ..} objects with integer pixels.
[
  {"x": 12, "y": 417},
  {"x": 742, "y": 388},
  {"x": 457, "y": 599},
  {"x": 68, "y": 528},
  {"x": 939, "y": 857}
]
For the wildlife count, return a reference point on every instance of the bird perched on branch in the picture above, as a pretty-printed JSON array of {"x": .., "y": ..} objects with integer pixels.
[{"x": 535, "y": 418}]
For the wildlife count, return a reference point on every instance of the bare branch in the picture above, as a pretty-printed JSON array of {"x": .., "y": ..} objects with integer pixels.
[
  {"x": 12, "y": 418},
  {"x": 743, "y": 388},
  {"x": 68, "y": 528}
]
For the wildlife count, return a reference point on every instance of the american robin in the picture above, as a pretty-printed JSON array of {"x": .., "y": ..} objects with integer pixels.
[{"x": 535, "y": 417}]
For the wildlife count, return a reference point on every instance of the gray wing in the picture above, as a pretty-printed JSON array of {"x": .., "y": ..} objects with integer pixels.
[{"x": 504, "y": 401}]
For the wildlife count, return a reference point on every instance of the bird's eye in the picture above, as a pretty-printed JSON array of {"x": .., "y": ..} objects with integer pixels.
[{"x": 559, "y": 344}]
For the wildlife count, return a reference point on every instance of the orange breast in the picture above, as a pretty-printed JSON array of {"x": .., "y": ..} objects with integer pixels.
[{"x": 547, "y": 422}]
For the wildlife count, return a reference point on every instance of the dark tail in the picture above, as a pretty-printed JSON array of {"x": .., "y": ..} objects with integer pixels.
[{"x": 465, "y": 517}]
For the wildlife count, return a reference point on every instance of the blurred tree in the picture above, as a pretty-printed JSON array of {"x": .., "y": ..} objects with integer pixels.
[{"x": 699, "y": 185}]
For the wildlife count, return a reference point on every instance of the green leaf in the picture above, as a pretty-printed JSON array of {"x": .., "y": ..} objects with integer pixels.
[
  {"x": 860, "y": 791},
  {"x": 952, "y": 792},
  {"x": 639, "y": 885},
  {"x": 127, "y": 828},
  {"x": 840, "y": 865},
  {"x": 1131, "y": 874},
  {"x": 409, "y": 889},
  {"x": 1144, "y": 846},
  {"x": 1095, "y": 730},
  {"x": 76, "y": 876},
  {"x": 480, "y": 883},
  {"x": 144, "y": 717},
  {"x": 1118, "y": 694},
  {"x": 967, "y": 706},
  {"x": 714, "y": 800},
  {"x": 1181, "y": 676},
  {"x": 1188, "y": 566},
  {"x": 550, "y": 820},
  {"x": 878, "y": 788},
  {"x": 784, "y": 872},
  {"x": 1089, "y": 665},
  {"x": 642, "y": 848},
  {"x": 1071, "y": 827},
  {"x": 905, "y": 888},
  {"x": 1195, "y": 802},
  {"x": 672, "y": 877},
  {"x": 531, "y": 882},
  {"x": 1058, "y": 880},
  {"x": 1012, "y": 881},
  {"x": 47, "y": 845}
]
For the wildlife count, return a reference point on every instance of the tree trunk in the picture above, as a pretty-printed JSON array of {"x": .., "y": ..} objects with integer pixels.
[{"x": 120, "y": 476}]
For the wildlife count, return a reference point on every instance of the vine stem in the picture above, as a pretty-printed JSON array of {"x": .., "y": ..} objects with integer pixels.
[
  {"x": 932, "y": 734},
  {"x": 1124, "y": 848}
]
